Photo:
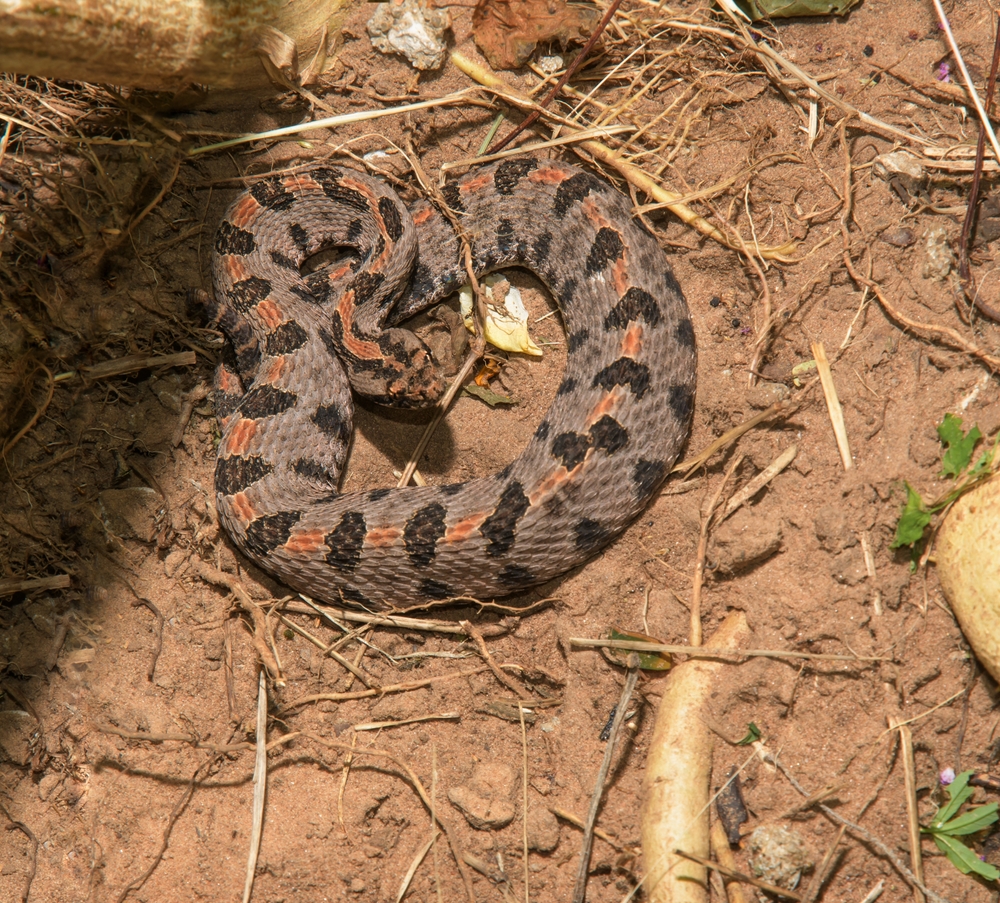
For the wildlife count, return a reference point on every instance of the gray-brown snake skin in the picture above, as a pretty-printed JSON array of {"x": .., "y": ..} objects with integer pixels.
[{"x": 619, "y": 419}]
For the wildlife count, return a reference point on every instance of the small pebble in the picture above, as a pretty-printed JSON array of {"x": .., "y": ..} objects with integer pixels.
[
  {"x": 900, "y": 236},
  {"x": 550, "y": 64},
  {"x": 778, "y": 856},
  {"x": 412, "y": 29}
]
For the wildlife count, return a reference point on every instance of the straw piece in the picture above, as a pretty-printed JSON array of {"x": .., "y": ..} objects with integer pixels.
[
  {"x": 912, "y": 815},
  {"x": 833, "y": 404}
]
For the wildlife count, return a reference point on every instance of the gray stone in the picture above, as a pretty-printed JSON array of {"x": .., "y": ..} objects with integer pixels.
[
  {"x": 778, "y": 856},
  {"x": 412, "y": 29}
]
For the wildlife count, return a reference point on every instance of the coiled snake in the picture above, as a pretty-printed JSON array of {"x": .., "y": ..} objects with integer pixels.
[{"x": 619, "y": 419}]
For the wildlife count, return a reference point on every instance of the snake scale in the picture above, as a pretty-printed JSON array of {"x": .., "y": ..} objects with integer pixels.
[{"x": 619, "y": 419}]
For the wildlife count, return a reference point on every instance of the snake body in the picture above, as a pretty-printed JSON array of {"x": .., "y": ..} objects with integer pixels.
[{"x": 619, "y": 419}]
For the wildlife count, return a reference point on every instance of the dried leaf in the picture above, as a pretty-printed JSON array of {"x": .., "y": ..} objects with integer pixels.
[
  {"x": 506, "y": 316},
  {"x": 785, "y": 9},
  {"x": 507, "y": 31},
  {"x": 485, "y": 393}
]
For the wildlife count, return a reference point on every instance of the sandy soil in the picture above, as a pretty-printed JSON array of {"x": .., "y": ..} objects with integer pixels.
[{"x": 97, "y": 489}]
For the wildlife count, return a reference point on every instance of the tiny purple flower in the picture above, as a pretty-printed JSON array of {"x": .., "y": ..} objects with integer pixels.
[
  {"x": 947, "y": 776},
  {"x": 944, "y": 73}
]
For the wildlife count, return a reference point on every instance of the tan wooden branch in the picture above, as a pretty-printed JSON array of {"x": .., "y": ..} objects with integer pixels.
[{"x": 171, "y": 44}]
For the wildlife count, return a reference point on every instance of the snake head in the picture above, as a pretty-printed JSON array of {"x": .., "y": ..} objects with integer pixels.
[{"x": 406, "y": 377}]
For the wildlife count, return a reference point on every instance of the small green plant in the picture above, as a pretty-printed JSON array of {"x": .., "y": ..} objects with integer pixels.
[
  {"x": 948, "y": 826},
  {"x": 957, "y": 463}
]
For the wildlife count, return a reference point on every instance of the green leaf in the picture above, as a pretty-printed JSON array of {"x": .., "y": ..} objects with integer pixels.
[
  {"x": 753, "y": 735},
  {"x": 964, "y": 859},
  {"x": 970, "y": 822},
  {"x": 985, "y": 460},
  {"x": 950, "y": 430},
  {"x": 958, "y": 792},
  {"x": 648, "y": 661},
  {"x": 959, "y": 446},
  {"x": 913, "y": 521}
]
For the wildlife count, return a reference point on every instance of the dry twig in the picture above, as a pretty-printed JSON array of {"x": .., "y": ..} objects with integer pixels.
[
  {"x": 259, "y": 785},
  {"x": 741, "y": 877},
  {"x": 833, "y": 405},
  {"x": 912, "y": 815},
  {"x": 583, "y": 867}
]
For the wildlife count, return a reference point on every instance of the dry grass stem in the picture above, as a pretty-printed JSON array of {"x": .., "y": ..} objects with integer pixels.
[
  {"x": 578, "y": 822},
  {"x": 332, "y": 122},
  {"x": 735, "y": 875},
  {"x": 262, "y": 640},
  {"x": 706, "y": 652},
  {"x": 12, "y": 585},
  {"x": 133, "y": 362},
  {"x": 440, "y": 411},
  {"x": 418, "y": 857},
  {"x": 39, "y": 411},
  {"x": 416, "y": 719},
  {"x": 912, "y": 814},
  {"x": 565, "y": 77},
  {"x": 259, "y": 785},
  {"x": 477, "y": 638},
  {"x": 874, "y": 893},
  {"x": 603, "y": 131},
  {"x": 327, "y": 650},
  {"x": 823, "y": 870},
  {"x": 381, "y": 620},
  {"x": 707, "y": 518},
  {"x": 752, "y": 487},
  {"x": 382, "y": 691},
  {"x": 833, "y": 405},
  {"x": 984, "y": 120},
  {"x": 724, "y": 857},
  {"x": 926, "y": 331},
  {"x": 345, "y": 772},
  {"x": 187, "y": 739},
  {"x": 583, "y": 866},
  {"x": 689, "y": 465},
  {"x": 160, "y": 195},
  {"x": 524, "y": 804},
  {"x": 924, "y": 714},
  {"x": 830, "y": 791},
  {"x": 868, "y": 551},
  {"x": 764, "y": 51}
]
